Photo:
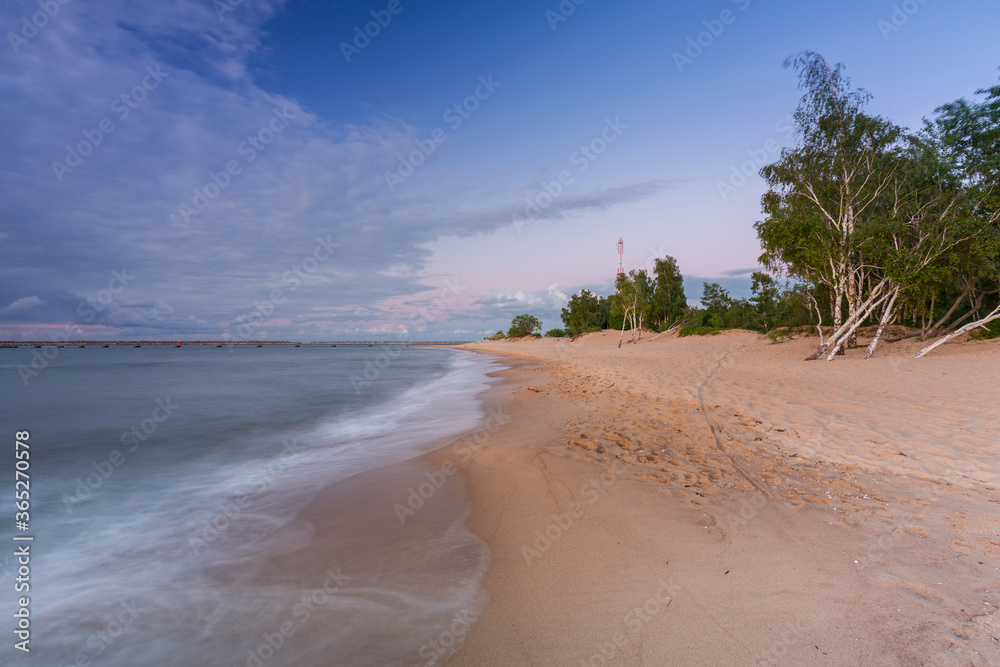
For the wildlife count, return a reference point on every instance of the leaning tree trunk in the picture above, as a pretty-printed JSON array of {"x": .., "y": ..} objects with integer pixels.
[
  {"x": 968, "y": 327},
  {"x": 624, "y": 320},
  {"x": 852, "y": 322},
  {"x": 886, "y": 316},
  {"x": 858, "y": 317},
  {"x": 947, "y": 316},
  {"x": 975, "y": 306}
]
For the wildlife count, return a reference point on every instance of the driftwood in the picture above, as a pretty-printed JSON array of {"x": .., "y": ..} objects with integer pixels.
[{"x": 968, "y": 327}]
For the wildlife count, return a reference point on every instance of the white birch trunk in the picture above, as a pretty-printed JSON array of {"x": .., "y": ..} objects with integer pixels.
[
  {"x": 839, "y": 331},
  {"x": 968, "y": 327},
  {"x": 881, "y": 327},
  {"x": 819, "y": 318},
  {"x": 855, "y": 321}
]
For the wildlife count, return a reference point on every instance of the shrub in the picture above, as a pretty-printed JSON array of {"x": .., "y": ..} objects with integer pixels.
[
  {"x": 989, "y": 332},
  {"x": 699, "y": 331},
  {"x": 555, "y": 333},
  {"x": 524, "y": 325}
]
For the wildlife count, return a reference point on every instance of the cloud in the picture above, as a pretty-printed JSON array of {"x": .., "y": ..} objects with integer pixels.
[
  {"x": 135, "y": 136},
  {"x": 21, "y": 309},
  {"x": 509, "y": 300},
  {"x": 732, "y": 273}
]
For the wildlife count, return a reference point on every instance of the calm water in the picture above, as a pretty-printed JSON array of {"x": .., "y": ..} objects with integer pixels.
[{"x": 177, "y": 512}]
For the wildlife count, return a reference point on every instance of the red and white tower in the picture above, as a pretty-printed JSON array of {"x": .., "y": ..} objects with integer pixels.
[{"x": 621, "y": 257}]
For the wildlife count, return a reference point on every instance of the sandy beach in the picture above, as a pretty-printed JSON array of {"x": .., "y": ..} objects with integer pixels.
[{"x": 718, "y": 501}]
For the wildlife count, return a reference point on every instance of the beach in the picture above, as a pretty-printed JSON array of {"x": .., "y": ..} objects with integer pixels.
[
  {"x": 249, "y": 507},
  {"x": 717, "y": 500}
]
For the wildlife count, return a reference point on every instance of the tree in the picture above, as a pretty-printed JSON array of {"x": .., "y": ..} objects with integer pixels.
[
  {"x": 967, "y": 135},
  {"x": 585, "y": 312},
  {"x": 523, "y": 325},
  {"x": 633, "y": 296},
  {"x": 766, "y": 299},
  {"x": 824, "y": 193},
  {"x": 668, "y": 303},
  {"x": 716, "y": 302}
]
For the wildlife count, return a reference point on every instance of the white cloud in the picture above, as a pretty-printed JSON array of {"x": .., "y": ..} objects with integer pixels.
[{"x": 21, "y": 308}]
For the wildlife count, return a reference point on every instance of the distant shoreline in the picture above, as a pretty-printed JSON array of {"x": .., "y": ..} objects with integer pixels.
[{"x": 216, "y": 343}]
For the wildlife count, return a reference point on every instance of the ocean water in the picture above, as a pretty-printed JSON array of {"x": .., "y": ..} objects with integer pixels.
[{"x": 215, "y": 506}]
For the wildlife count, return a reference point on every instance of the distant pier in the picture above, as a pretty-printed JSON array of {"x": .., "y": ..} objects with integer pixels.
[{"x": 216, "y": 343}]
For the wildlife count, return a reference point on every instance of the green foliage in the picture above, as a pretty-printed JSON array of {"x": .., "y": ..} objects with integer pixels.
[
  {"x": 555, "y": 333},
  {"x": 585, "y": 312},
  {"x": 989, "y": 332},
  {"x": 860, "y": 203},
  {"x": 717, "y": 303},
  {"x": 822, "y": 204},
  {"x": 668, "y": 302},
  {"x": 699, "y": 331},
  {"x": 659, "y": 301},
  {"x": 770, "y": 306},
  {"x": 524, "y": 325},
  {"x": 632, "y": 299},
  {"x": 497, "y": 336}
]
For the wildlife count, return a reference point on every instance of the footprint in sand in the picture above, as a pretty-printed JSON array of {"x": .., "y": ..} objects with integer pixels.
[{"x": 961, "y": 547}]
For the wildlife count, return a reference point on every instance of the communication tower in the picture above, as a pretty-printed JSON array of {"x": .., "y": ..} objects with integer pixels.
[{"x": 621, "y": 257}]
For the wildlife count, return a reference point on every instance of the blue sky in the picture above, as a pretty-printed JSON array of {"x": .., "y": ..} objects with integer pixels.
[{"x": 195, "y": 169}]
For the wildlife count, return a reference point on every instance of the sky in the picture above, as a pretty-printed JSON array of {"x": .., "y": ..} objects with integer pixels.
[{"x": 408, "y": 170}]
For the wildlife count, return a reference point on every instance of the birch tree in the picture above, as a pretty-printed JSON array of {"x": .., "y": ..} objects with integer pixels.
[
  {"x": 633, "y": 296},
  {"x": 825, "y": 191},
  {"x": 968, "y": 134}
]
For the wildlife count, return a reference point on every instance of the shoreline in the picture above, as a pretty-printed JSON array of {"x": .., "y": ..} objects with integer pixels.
[{"x": 614, "y": 542}]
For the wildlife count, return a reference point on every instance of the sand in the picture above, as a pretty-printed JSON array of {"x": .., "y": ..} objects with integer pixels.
[{"x": 718, "y": 501}]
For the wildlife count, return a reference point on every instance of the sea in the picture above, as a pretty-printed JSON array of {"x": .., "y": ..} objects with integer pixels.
[{"x": 239, "y": 506}]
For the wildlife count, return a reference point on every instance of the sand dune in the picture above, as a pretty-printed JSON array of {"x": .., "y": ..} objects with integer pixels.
[
  {"x": 786, "y": 512},
  {"x": 939, "y": 415}
]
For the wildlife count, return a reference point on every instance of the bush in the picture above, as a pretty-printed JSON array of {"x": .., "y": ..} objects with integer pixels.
[
  {"x": 524, "y": 325},
  {"x": 699, "y": 331},
  {"x": 989, "y": 332},
  {"x": 497, "y": 336},
  {"x": 555, "y": 333}
]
